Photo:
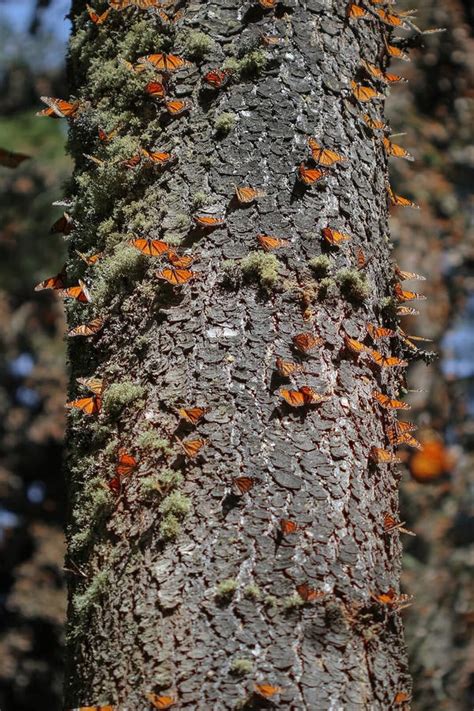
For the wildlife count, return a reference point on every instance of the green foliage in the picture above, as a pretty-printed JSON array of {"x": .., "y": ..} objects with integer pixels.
[
  {"x": 241, "y": 667},
  {"x": 226, "y": 589},
  {"x": 270, "y": 601},
  {"x": 261, "y": 267},
  {"x": 176, "y": 504},
  {"x": 114, "y": 271},
  {"x": 252, "y": 592},
  {"x": 320, "y": 265},
  {"x": 327, "y": 288},
  {"x": 83, "y": 602},
  {"x": 118, "y": 395},
  {"x": 353, "y": 284},
  {"x": 152, "y": 440},
  {"x": 198, "y": 45},
  {"x": 292, "y": 602},
  {"x": 170, "y": 527},
  {"x": 224, "y": 123},
  {"x": 91, "y": 507}
]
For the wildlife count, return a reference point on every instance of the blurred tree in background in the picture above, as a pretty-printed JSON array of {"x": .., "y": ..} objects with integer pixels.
[{"x": 436, "y": 109}]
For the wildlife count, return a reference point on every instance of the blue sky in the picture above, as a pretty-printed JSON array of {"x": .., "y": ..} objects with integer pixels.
[{"x": 17, "y": 14}]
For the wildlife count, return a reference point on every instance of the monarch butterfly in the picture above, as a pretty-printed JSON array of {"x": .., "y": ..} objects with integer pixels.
[
  {"x": 307, "y": 593},
  {"x": 167, "y": 19},
  {"x": 95, "y": 17},
  {"x": 243, "y": 484},
  {"x": 192, "y": 447},
  {"x": 161, "y": 702},
  {"x": 159, "y": 157},
  {"x": 247, "y": 195},
  {"x": 9, "y": 159},
  {"x": 400, "y": 201},
  {"x": 88, "y": 329},
  {"x": 407, "y": 439},
  {"x": 80, "y": 292},
  {"x": 400, "y": 427},
  {"x": 402, "y": 295},
  {"x": 333, "y": 237},
  {"x": 58, "y": 108},
  {"x": 140, "y": 4},
  {"x": 396, "y": 52},
  {"x": 400, "y": 697},
  {"x": 302, "y": 397},
  {"x": 97, "y": 161},
  {"x": 323, "y": 156},
  {"x": 391, "y": 524},
  {"x": 155, "y": 89},
  {"x": 391, "y": 599},
  {"x": 374, "y": 124},
  {"x": 95, "y": 385},
  {"x": 126, "y": 463},
  {"x": 192, "y": 414},
  {"x": 287, "y": 527},
  {"x": 404, "y": 336},
  {"x": 408, "y": 276},
  {"x": 131, "y": 162},
  {"x": 394, "y": 150},
  {"x": 270, "y": 40},
  {"x": 180, "y": 261},
  {"x": 382, "y": 456},
  {"x": 361, "y": 258},
  {"x": 388, "y": 403},
  {"x": 380, "y": 75},
  {"x": 55, "y": 282},
  {"x": 269, "y": 243},
  {"x": 164, "y": 62},
  {"x": 150, "y": 247},
  {"x": 268, "y": 4},
  {"x": 364, "y": 93},
  {"x": 217, "y": 78},
  {"x": 176, "y": 277},
  {"x": 266, "y": 690},
  {"x": 177, "y": 107},
  {"x": 355, "y": 346},
  {"x": 309, "y": 176},
  {"x": 87, "y": 405},
  {"x": 89, "y": 260},
  {"x": 135, "y": 68},
  {"x": 376, "y": 332},
  {"x": 389, "y": 18},
  {"x": 107, "y": 137},
  {"x": 305, "y": 341},
  {"x": 208, "y": 222},
  {"x": 407, "y": 311},
  {"x": 286, "y": 368},
  {"x": 356, "y": 11},
  {"x": 383, "y": 361}
]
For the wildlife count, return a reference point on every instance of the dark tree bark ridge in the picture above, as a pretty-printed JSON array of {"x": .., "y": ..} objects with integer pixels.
[{"x": 178, "y": 585}]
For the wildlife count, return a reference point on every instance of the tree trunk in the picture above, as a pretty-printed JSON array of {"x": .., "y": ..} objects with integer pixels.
[{"x": 181, "y": 584}]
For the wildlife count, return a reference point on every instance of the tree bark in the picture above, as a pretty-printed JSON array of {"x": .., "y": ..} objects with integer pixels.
[{"x": 181, "y": 585}]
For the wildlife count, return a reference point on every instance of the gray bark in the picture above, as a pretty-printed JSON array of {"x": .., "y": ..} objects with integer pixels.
[{"x": 145, "y": 611}]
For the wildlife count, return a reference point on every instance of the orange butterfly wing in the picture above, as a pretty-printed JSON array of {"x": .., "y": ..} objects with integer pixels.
[
  {"x": 95, "y": 17},
  {"x": 126, "y": 463},
  {"x": 164, "y": 62},
  {"x": 208, "y": 221},
  {"x": 394, "y": 150},
  {"x": 309, "y": 176},
  {"x": 150, "y": 247},
  {"x": 307, "y": 593},
  {"x": 246, "y": 195},
  {"x": 400, "y": 201},
  {"x": 58, "y": 108},
  {"x": 89, "y": 260},
  {"x": 388, "y": 403},
  {"x": 176, "y": 277},
  {"x": 382, "y": 456},
  {"x": 88, "y": 329},
  {"x": 288, "y": 527},
  {"x": 155, "y": 89},
  {"x": 354, "y": 345},
  {"x": 243, "y": 484},
  {"x": 374, "y": 124},
  {"x": 269, "y": 243},
  {"x": 364, "y": 93},
  {"x": 266, "y": 690},
  {"x": 217, "y": 78},
  {"x": 160, "y": 157},
  {"x": 87, "y": 405},
  {"x": 385, "y": 361},
  {"x": 180, "y": 261},
  {"x": 324, "y": 156},
  {"x": 334, "y": 237},
  {"x": 55, "y": 282},
  {"x": 380, "y": 332},
  {"x": 177, "y": 107},
  {"x": 79, "y": 292},
  {"x": 192, "y": 414},
  {"x": 192, "y": 447},
  {"x": 286, "y": 368},
  {"x": 294, "y": 398},
  {"x": 355, "y": 11},
  {"x": 305, "y": 341},
  {"x": 161, "y": 702}
]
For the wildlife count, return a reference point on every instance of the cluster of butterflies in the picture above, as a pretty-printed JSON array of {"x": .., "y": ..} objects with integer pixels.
[{"x": 177, "y": 271}]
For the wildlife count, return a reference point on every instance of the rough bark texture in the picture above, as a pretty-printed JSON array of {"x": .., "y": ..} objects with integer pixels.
[{"x": 149, "y": 612}]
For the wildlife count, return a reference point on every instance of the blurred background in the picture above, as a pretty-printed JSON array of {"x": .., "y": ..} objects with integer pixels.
[{"x": 436, "y": 112}]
